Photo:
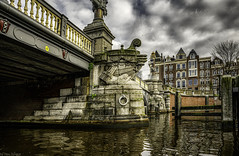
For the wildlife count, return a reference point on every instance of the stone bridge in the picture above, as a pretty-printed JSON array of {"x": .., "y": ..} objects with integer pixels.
[
  {"x": 37, "y": 41},
  {"x": 52, "y": 71}
]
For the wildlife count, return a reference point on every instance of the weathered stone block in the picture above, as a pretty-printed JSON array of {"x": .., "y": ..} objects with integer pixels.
[
  {"x": 137, "y": 103},
  {"x": 80, "y": 98},
  {"x": 53, "y": 117},
  {"x": 77, "y": 112},
  {"x": 65, "y": 92},
  {"x": 122, "y": 111},
  {"x": 54, "y": 100},
  {"x": 41, "y": 113},
  {"x": 138, "y": 110},
  {"x": 97, "y": 105},
  {"x": 52, "y": 106},
  {"x": 136, "y": 96},
  {"x": 55, "y": 112},
  {"x": 29, "y": 118},
  {"x": 74, "y": 105}
]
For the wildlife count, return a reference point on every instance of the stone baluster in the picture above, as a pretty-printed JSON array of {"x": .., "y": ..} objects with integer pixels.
[
  {"x": 42, "y": 15},
  {"x": 55, "y": 24},
  {"x": 70, "y": 33},
  {"x": 32, "y": 6},
  {"x": 67, "y": 29},
  {"x": 47, "y": 18},
  {"x": 51, "y": 23},
  {"x": 12, "y": 3},
  {"x": 26, "y": 8},
  {"x": 59, "y": 27},
  {"x": 73, "y": 32},
  {"x": 78, "y": 37},
  {"x": 37, "y": 14},
  {"x": 19, "y": 5}
]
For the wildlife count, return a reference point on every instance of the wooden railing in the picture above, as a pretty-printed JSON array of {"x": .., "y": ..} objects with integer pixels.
[{"x": 50, "y": 18}]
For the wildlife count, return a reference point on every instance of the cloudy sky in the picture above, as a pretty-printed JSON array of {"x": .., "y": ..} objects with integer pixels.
[{"x": 162, "y": 25}]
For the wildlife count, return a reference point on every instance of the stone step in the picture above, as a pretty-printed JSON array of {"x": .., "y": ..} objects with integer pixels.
[
  {"x": 80, "y": 98},
  {"x": 74, "y": 105},
  {"x": 52, "y": 106},
  {"x": 41, "y": 113},
  {"x": 55, "y": 112},
  {"x": 55, "y": 100},
  {"x": 54, "y": 117},
  {"x": 29, "y": 118},
  {"x": 66, "y": 91}
]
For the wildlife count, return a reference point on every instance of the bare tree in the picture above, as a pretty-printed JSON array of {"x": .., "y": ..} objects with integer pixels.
[{"x": 228, "y": 52}]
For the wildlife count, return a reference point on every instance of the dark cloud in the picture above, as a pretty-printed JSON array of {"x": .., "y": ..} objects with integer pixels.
[
  {"x": 163, "y": 25},
  {"x": 229, "y": 14},
  {"x": 140, "y": 8}
]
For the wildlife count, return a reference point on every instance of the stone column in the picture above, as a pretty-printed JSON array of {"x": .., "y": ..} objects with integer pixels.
[{"x": 227, "y": 110}]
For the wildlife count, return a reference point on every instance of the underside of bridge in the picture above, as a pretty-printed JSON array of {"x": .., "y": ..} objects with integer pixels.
[{"x": 20, "y": 63}]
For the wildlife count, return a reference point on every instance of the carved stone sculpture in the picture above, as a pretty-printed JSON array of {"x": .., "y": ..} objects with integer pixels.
[{"x": 99, "y": 8}]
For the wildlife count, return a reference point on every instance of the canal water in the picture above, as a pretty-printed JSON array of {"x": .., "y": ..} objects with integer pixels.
[{"x": 164, "y": 136}]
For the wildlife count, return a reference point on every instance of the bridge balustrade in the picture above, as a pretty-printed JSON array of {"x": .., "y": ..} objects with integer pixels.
[
  {"x": 141, "y": 83},
  {"x": 50, "y": 18}
]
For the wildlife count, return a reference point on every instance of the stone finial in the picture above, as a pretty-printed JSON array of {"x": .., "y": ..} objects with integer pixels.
[
  {"x": 135, "y": 43},
  {"x": 99, "y": 8}
]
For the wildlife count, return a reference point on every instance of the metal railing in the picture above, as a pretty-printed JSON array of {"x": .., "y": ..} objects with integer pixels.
[{"x": 49, "y": 17}]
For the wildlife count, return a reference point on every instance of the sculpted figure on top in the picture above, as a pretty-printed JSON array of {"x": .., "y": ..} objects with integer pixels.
[{"x": 99, "y": 5}]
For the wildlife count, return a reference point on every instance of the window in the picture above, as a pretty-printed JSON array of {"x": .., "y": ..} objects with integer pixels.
[
  {"x": 178, "y": 66},
  {"x": 157, "y": 68},
  {"x": 190, "y": 82},
  {"x": 170, "y": 67},
  {"x": 195, "y": 64},
  {"x": 201, "y": 73},
  {"x": 208, "y": 65},
  {"x": 178, "y": 84},
  {"x": 178, "y": 74},
  {"x": 221, "y": 72},
  {"x": 192, "y": 56},
  {"x": 207, "y": 81},
  {"x": 183, "y": 83},
  {"x": 166, "y": 76},
  {"x": 214, "y": 72},
  {"x": 201, "y": 65},
  {"x": 189, "y": 64},
  {"x": 184, "y": 66},
  {"x": 166, "y": 68},
  {"x": 201, "y": 81},
  {"x": 184, "y": 74},
  {"x": 195, "y": 81},
  {"x": 171, "y": 76}
]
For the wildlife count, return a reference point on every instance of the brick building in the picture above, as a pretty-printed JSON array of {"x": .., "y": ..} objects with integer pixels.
[{"x": 189, "y": 71}]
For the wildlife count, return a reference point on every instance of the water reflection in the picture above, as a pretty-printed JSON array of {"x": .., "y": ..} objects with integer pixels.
[{"x": 164, "y": 136}]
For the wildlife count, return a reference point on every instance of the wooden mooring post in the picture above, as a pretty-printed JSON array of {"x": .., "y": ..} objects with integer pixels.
[
  {"x": 227, "y": 102},
  {"x": 177, "y": 105}
]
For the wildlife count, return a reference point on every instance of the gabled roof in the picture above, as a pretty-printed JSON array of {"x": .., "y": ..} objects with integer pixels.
[
  {"x": 192, "y": 51},
  {"x": 157, "y": 54},
  {"x": 181, "y": 52}
]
